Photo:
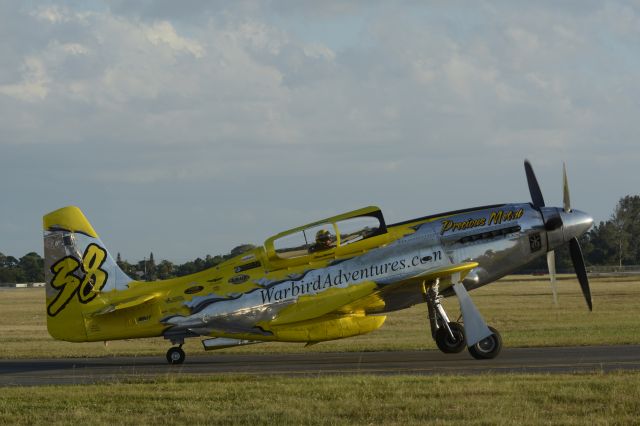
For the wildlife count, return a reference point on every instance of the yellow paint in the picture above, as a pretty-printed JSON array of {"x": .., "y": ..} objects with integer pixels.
[
  {"x": 69, "y": 218},
  {"x": 496, "y": 217},
  {"x": 69, "y": 285},
  {"x": 68, "y": 324},
  {"x": 322, "y": 329},
  {"x": 499, "y": 216},
  {"x": 314, "y": 306}
]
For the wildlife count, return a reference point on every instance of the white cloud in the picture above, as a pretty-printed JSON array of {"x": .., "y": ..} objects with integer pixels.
[
  {"x": 163, "y": 32},
  {"x": 318, "y": 51},
  {"x": 34, "y": 84},
  {"x": 75, "y": 49},
  {"x": 51, "y": 14}
]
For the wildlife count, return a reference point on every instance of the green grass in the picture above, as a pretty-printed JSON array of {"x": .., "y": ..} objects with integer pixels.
[
  {"x": 521, "y": 308},
  {"x": 501, "y": 399}
]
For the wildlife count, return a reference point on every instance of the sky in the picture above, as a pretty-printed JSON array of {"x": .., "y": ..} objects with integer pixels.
[{"x": 187, "y": 128}]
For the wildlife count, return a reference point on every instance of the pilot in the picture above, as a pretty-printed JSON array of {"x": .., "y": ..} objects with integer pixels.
[{"x": 323, "y": 241}]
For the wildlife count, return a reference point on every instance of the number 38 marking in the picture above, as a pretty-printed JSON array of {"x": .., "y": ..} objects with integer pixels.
[{"x": 70, "y": 284}]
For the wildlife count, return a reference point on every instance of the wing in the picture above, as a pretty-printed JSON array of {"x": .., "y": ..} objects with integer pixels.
[
  {"x": 407, "y": 292},
  {"x": 368, "y": 297}
]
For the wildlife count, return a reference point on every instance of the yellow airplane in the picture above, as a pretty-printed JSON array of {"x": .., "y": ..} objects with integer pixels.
[{"x": 330, "y": 279}]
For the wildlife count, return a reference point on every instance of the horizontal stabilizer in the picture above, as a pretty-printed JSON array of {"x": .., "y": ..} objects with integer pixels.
[{"x": 128, "y": 303}]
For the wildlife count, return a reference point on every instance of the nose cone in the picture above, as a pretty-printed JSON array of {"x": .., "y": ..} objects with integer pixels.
[{"x": 575, "y": 223}]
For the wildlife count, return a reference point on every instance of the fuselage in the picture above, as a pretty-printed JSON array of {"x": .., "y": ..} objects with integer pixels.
[{"x": 294, "y": 294}]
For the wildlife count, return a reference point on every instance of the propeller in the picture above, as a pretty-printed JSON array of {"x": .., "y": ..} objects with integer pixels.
[
  {"x": 581, "y": 271},
  {"x": 534, "y": 188},
  {"x": 566, "y": 202},
  {"x": 551, "y": 264},
  {"x": 552, "y": 223}
]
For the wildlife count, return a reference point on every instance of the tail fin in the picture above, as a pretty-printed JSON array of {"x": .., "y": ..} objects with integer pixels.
[{"x": 77, "y": 269}]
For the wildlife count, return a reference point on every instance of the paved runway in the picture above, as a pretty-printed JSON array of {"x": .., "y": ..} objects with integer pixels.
[{"x": 511, "y": 360}]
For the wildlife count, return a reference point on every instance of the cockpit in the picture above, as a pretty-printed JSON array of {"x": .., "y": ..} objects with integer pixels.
[{"x": 328, "y": 235}]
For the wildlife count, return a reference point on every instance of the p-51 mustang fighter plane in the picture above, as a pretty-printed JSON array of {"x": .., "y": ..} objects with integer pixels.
[{"x": 333, "y": 278}]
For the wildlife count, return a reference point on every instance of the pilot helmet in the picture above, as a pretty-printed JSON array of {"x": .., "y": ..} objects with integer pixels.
[{"x": 323, "y": 235}]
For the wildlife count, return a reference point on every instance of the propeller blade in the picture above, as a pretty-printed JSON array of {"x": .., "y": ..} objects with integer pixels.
[
  {"x": 551, "y": 263},
  {"x": 534, "y": 188},
  {"x": 566, "y": 202},
  {"x": 581, "y": 271}
]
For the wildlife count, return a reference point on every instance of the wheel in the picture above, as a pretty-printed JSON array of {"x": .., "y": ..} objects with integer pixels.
[
  {"x": 444, "y": 341},
  {"x": 175, "y": 355},
  {"x": 488, "y": 348}
]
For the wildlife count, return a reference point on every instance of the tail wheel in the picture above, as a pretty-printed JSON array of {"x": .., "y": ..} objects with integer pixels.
[
  {"x": 487, "y": 348},
  {"x": 175, "y": 355},
  {"x": 446, "y": 343}
]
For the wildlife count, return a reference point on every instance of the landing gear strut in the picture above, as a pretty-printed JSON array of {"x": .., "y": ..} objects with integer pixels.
[
  {"x": 449, "y": 336},
  {"x": 175, "y": 355}
]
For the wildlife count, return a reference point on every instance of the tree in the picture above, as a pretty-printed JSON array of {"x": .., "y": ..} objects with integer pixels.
[
  {"x": 11, "y": 275},
  {"x": 616, "y": 241},
  {"x": 10, "y": 262},
  {"x": 165, "y": 270},
  {"x": 32, "y": 266},
  {"x": 151, "y": 269},
  {"x": 626, "y": 219}
]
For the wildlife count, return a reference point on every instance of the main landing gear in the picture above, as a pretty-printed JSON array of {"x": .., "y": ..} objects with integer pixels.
[{"x": 450, "y": 337}]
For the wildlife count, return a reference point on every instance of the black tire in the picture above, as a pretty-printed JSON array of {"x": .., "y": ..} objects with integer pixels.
[
  {"x": 175, "y": 355},
  {"x": 488, "y": 348},
  {"x": 444, "y": 341}
]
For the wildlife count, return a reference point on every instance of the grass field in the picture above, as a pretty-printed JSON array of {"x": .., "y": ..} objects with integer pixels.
[
  {"x": 521, "y": 308},
  {"x": 501, "y": 399}
]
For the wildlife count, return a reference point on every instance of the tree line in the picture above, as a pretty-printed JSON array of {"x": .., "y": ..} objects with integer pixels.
[
  {"x": 615, "y": 242},
  {"x": 30, "y": 267},
  {"x": 147, "y": 269}
]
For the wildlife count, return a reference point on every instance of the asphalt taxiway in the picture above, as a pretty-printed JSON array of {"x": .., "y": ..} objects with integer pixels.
[{"x": 28, "y": 372}]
